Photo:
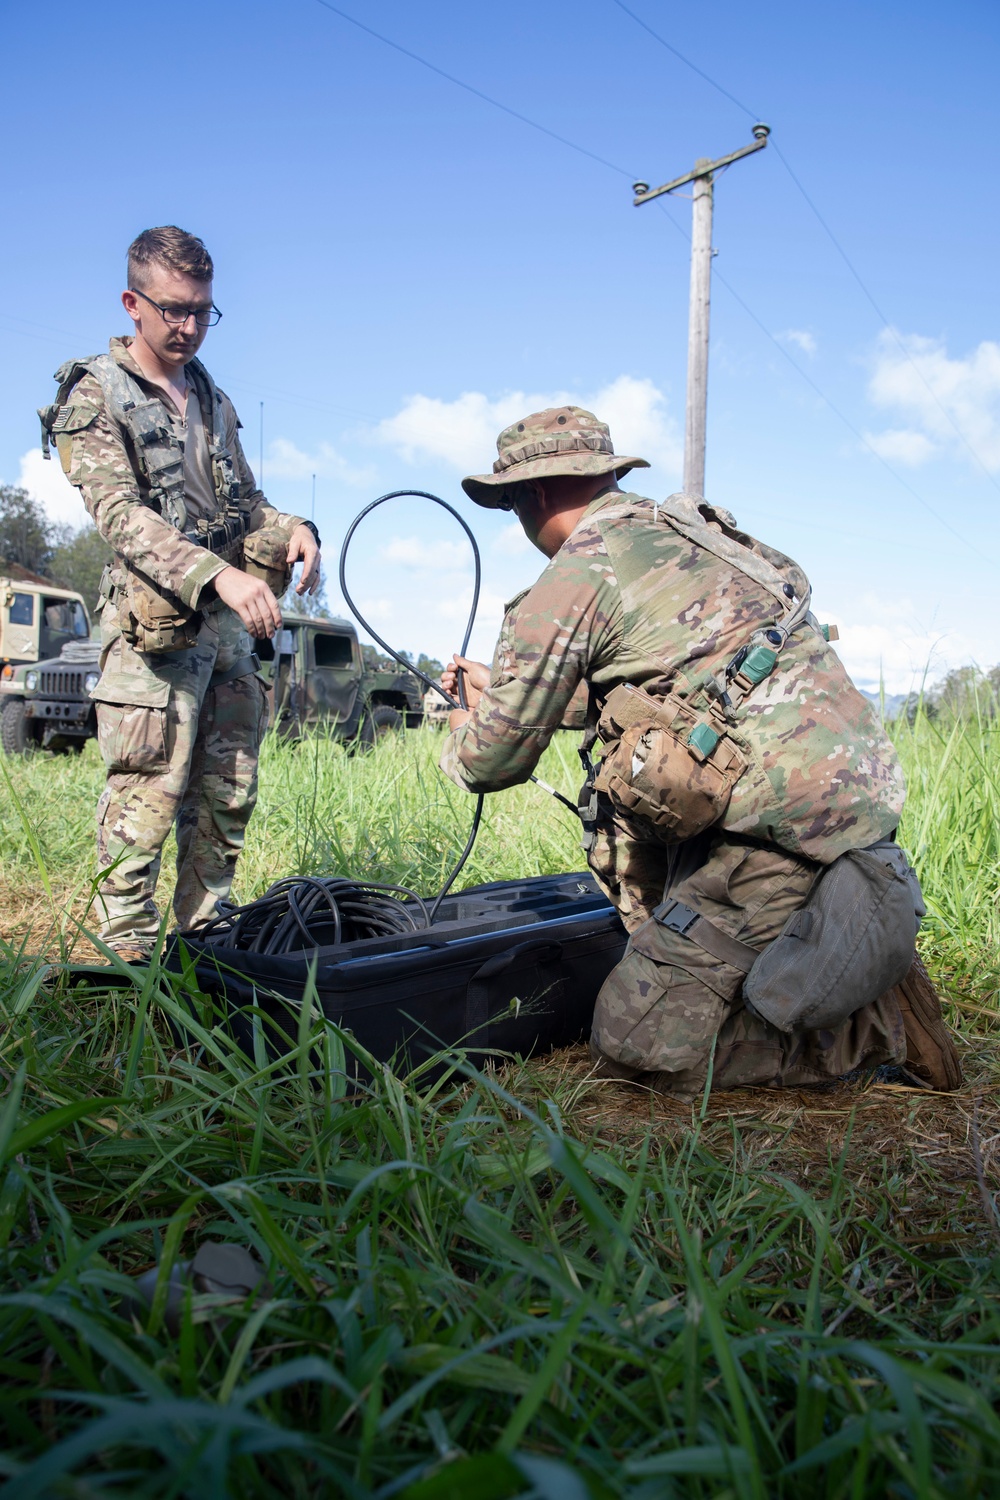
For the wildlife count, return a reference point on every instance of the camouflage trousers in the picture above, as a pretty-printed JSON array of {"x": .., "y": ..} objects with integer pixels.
[
  {"x": 669, "y": 1008},
  {"x": 181, "y": 751}
]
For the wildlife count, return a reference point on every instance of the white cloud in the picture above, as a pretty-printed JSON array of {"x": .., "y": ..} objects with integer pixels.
[
  {"x": 463, "y": 432},
  {"x": 801, "y": 338},
  {"x": 436, "y": 557},
  {"x": 916, "y": 379},
  {"x": 894, "y": 642},
  {"x": 45, "y": 482},
  {"x": 283, "y": 460},
  {"x": 902, "y": 446},
  {"x": 511, "y": 542}
]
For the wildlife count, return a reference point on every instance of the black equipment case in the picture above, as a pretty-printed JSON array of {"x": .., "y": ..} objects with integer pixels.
[{"x": 514, "y": 966}]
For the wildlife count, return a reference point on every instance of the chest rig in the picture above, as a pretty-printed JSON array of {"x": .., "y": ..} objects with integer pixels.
[
  {"x": 672, "y": 751},
  {"x": 158, "y": 450},
  {"x": 151, "y": 619}
]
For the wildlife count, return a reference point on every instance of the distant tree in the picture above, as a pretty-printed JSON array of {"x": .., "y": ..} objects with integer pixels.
[
  {"x": 962, "y": 690},
  {"x": 27, "y": 536},
  {"x": 375, "y": 661},
  {"x": 78, "y": 562},
  {"x": 313, "y": 605},
  {"x": 915, "y": 703},
  {"x": 429, "y": 665}
]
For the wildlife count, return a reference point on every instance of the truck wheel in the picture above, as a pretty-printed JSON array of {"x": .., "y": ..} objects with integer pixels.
[
  {"x": 385, "y": 720},
  {"x": 15, "y": 729},
  {"x": 377, "y": 721}
]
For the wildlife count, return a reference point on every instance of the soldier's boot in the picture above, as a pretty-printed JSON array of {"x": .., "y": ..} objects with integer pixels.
[
  {"x": 931, "y": 1057},
  {"x": 132, "y": 953}
]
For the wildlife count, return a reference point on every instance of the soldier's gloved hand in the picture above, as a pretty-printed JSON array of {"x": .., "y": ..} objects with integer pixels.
[
  {"x": 302, "y": 544},
  {"x": 477, "y": 679},
  {"x": 252, "y": 600}
]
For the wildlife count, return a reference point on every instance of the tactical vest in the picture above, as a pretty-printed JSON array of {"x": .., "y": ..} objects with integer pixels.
[
  {"x": 159, "y": 451},
  {"x": 151, "y": 619},
  {"x": 673, "y": 755}
]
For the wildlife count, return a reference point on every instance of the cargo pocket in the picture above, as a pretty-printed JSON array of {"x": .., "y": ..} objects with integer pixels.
[{"x": 132, "y": 737}]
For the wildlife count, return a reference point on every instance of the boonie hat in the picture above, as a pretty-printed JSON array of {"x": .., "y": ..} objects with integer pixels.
[{"x": 561, "y": 440}]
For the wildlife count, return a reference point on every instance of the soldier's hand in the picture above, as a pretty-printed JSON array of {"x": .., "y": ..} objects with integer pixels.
[
  {"x": 302, "y": 544},
  {"x": 477, "y": 678},
  {"x": 252, "y": 600}
]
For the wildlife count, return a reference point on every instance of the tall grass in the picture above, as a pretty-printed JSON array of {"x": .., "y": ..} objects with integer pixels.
[
  {"x": 463, "y": 1299},
  {"x": 469, "y": 1294}
]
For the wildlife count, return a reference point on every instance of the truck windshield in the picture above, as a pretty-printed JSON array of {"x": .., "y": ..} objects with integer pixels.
[{"x": 65, "y": 614}]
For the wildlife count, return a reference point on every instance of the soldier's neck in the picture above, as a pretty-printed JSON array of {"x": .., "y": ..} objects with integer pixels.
[{"x": 171, "y": 379}]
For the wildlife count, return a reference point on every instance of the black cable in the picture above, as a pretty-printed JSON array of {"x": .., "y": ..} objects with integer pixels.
[
  {"x": 404, "y": 662},
  {"x": 478, "y": 573},
  {"x": 397, "y": 656},
  {"x": 285, "y": 918}
]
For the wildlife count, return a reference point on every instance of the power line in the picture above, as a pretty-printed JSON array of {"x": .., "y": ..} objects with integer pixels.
[
  {"x": 686, "y": 60},
  {"x": 823, "y": 396},
  {"x": 885, "y": 321},
  {"x": 470, "y": 89},
  {"x": 847, "y": 421},
  {"x": 829, "y": 233}
]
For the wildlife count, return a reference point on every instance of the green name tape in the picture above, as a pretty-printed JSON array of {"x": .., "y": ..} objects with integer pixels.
[
  {"x": 758, "y": 663},
  {"x": 703, "y": 740}
]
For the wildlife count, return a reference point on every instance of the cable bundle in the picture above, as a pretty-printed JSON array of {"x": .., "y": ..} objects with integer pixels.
[{"x": 298, "y": 912}]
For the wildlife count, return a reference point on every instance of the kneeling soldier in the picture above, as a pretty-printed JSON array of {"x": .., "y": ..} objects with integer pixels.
[
  {"x": 153, "y": 446},
  {"x": 739, "y": 762}
]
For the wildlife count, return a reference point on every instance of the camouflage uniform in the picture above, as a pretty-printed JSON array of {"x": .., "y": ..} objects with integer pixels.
[
  {"x": 632, "y": 597},
  {"x": 178, "y": 731}
]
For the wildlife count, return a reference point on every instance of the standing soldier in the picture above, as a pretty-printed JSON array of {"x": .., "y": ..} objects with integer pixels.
[
  {"x": 739, "y": 763},
  {"x": 200, "y": 561}
]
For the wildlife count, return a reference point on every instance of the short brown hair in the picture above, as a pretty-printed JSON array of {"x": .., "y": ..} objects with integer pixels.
[{"x": 171, "y": 247}]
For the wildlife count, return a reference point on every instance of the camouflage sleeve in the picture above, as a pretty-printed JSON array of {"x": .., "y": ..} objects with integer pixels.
[
  {"x": 261, "y": 513},
  {"x": 552, "y": 638},
  {"x": 95, "y": 459}
]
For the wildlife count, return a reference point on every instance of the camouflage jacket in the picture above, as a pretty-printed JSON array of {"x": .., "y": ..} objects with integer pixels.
[
  {"x": 632, "y": 599},
  {"x": 97, "y": 457}
]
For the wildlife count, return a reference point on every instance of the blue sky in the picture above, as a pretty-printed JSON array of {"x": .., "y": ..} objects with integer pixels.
[{"x": 403, "y": 268}]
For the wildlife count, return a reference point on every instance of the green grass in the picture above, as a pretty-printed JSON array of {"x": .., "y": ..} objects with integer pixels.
[{"x": 473, "y": 1292}]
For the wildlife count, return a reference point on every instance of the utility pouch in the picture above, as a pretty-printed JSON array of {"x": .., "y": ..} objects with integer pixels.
[
  {"x": 152, "y": 620},
  {"x": 854, "y": 939},
  {"x": 265, "y": 555},
  {"x": 666, "y": 761}
]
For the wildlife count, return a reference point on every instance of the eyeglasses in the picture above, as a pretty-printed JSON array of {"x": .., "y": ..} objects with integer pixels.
[{"x": 205, "y": 317}]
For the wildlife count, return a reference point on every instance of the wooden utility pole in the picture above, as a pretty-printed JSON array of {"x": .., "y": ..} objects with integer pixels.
[{"x": 702, "y": 175}]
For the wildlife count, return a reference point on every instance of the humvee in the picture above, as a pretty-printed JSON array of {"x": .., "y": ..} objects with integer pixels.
[
  {"x": 313, "y": 667},
  {"x": 37, "y": 621},
  {"x": 316, "y": 675}
]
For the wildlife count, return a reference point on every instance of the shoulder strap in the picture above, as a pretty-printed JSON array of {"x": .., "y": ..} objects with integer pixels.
[
  {"x": 67, "y": 377},
  {"x": 715, "y": 529},
  {"x": 147, "y": 422},
  {"x": 224, "y": 476}
]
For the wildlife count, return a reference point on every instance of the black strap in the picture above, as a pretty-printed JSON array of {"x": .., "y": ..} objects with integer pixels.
[
  {"x": 241, "y": 668},
  {"x": 691, "y": 924}
]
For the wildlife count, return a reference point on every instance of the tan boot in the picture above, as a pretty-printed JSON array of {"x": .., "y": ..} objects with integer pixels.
[
  {"x": 930, "y": 1051},
  {"x": 132, "y": 953}
]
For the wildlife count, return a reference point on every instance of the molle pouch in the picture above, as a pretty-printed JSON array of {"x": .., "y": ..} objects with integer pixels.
[
  {"x": 667, "y": 762},
  {"x": 265, "y": 555},
  {"x": 154, "y": 621},
  {"x": 854, "y": 939}
]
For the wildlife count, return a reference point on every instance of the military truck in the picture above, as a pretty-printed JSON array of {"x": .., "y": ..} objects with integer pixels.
[
  {"x": 36, "y": 618},
  {"x": 315, "y": 674},
  {"x": 37, "y": 621}
]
